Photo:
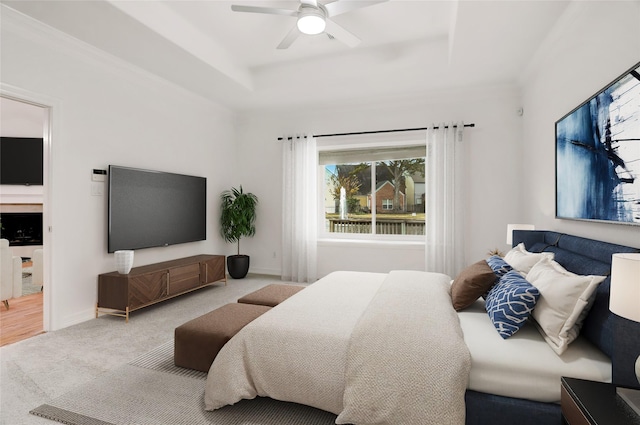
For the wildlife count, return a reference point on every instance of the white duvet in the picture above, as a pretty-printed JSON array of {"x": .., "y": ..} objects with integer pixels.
[{"x": 371, "y": 348}]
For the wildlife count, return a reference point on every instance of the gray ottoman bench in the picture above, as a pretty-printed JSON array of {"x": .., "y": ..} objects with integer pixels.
[
  {"x": 197, "y": 342},
  {"x": 271, "y": 295}
]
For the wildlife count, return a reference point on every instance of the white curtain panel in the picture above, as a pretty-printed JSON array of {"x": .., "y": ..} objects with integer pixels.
[
  {"x": 299, "y": 209},
  {"x": 444, "y": 251}
]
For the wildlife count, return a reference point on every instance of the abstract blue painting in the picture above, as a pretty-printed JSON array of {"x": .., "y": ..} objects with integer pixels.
[{"x": 598, "y": 155}]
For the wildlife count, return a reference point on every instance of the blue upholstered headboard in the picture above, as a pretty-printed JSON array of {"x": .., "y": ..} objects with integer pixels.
[{"x": 617, "y": 337}]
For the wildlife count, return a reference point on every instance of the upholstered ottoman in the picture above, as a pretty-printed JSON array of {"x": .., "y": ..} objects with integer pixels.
[
  {"x": 271, "y": 295},
  {"x": 197, "y": 342}
]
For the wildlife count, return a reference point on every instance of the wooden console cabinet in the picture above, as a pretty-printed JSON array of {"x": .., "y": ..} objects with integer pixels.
[{"x": 120, "y": 294}]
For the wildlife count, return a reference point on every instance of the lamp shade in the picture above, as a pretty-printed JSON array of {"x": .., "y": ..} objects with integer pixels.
[
  {"x": 625, "y": 286},
  {"x": 512, "y": 227},
  {"x": 311, "y": 22}
]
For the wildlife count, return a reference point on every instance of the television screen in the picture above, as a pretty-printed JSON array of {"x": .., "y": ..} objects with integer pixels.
[
  {"x": 21, "y": 229},
  {"x": 598, "y": 155},
  {"x": 21, "y": 160},
  {"x": 152, "y": 208}
]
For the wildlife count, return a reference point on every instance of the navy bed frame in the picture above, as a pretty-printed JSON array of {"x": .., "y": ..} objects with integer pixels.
[{"x": 617, "y": 337}]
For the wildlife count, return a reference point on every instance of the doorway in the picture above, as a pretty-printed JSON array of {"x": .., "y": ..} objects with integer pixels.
[{"x": 25, "y": 117}]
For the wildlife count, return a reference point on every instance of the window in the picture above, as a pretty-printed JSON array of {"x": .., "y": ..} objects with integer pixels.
[{"x": 376, "y": 190}]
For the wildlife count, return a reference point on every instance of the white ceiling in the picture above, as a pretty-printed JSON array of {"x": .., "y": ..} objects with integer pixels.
[{"x": 408, "y": 46}]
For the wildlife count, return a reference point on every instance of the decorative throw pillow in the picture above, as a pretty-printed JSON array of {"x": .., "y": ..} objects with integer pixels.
[
  {"x": 522, "y": 260},
  {"x": 510, "y": 302},
  {"x": 471, "y": 284},
  {"x": 565, "y": 299},
  {"x": 498, "y": 265}
]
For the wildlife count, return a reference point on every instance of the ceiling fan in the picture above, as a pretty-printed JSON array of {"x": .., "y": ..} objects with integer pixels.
[{"x": 314, "y": 18}]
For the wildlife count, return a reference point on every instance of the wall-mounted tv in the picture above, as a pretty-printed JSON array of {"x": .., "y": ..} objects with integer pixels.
[
  {"x": 21, "y": 229},
  {"x": 598, "y": 155},
  {"x": 21, "y": 160},
  {"x": 153, "y": 208}
]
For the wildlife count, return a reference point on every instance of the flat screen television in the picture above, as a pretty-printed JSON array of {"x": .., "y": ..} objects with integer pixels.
[
  {"x": 598, "y": 155},
  {"x": 153, "y": 208},
  {"x": 21, "y": 229},
  {"x": 21, "y": 160}
]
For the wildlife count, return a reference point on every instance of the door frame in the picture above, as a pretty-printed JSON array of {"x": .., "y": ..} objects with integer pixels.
[{"x": 50, "y": 130}]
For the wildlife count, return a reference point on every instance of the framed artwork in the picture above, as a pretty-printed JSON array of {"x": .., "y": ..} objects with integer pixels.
[{"x": 598, "y": 155}]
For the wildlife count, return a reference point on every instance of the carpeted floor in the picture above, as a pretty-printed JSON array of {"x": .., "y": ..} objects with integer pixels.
[
  {"x": 38, "y": 370},
  {"x": 151, "y": 390}
]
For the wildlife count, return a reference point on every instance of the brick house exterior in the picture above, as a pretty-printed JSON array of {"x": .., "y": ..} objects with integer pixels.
[{"x": 384, "y": 198}]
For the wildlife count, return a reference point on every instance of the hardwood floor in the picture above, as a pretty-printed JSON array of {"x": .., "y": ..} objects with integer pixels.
[{"x": 23, "y": 319}]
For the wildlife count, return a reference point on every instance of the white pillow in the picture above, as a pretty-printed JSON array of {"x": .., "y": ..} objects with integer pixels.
[
  {"x": 522, "y": 260},
  {"x": 565, "y": 300}
]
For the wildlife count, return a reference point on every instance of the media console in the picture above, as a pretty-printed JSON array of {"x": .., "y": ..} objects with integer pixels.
[{"x": 120, "y": 294}]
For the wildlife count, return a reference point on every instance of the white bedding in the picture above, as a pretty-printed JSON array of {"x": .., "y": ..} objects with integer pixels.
[
  {"x": 524, "y": 366},
  {"x": 301, "y": 351},
  {"x": 371, "y": 348},
  {"x": 331, "y": 322},
  {"x": 407, "y": 362}
]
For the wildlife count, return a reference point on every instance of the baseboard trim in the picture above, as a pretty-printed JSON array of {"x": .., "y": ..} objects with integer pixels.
[{"x": 267, "y": 271}]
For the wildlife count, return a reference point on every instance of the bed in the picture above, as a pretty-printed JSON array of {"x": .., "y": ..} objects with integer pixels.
[{"x": 355, "y": 344}]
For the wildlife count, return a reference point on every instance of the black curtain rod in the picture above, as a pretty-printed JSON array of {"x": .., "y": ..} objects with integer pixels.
[{"x": 379, "y": 131}]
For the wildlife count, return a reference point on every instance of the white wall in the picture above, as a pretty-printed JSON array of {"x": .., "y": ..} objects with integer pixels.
[
  {"x": 105, "y": 113},
  {"x": 491, "y": 156},
  {"x": 19, "y": 119},
  {"x": 592, "y": 45}
]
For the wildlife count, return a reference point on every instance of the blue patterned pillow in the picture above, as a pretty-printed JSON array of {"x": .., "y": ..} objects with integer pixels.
[
  {"x": 498, "y": 265},
  {"x": 510, "y": 302}
]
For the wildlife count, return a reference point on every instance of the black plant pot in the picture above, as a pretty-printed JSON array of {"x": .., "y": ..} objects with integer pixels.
[{"x": 238, "y": 266}]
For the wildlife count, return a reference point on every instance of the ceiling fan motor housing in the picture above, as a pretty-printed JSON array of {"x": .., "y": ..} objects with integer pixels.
[{"x": 311, "y": 20}]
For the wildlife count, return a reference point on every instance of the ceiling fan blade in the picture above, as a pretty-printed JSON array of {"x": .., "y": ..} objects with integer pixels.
[
  {"x": 343, "y": 6},
  {"x": 289, "y": 38},
  {"x": 336, "y": 31},
  {"x": 313, "y": 3},
  {"x": 267, "y": 10}
]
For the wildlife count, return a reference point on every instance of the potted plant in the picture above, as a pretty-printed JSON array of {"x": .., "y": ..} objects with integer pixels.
[{"x": 237, "y": 219}]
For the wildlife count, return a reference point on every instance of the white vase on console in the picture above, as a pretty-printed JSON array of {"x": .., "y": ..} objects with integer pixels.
[{"x": 124, "y": 261}]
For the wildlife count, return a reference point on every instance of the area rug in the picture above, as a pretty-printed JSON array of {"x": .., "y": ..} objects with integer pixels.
[{"x": 150, "y": 390}]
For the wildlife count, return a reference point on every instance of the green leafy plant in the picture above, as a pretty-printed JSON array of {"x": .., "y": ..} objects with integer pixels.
[
  {"x": 238, "y": 215},
  {"x": 495, "y": 251}
]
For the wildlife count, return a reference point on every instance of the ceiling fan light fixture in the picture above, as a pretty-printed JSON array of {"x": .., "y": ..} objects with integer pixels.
[{"x": 311, "y": 22}]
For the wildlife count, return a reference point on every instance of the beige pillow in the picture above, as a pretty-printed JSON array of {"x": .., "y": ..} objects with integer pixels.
[
  {"x": 522, "y": 260},
  {"x": 471, "y": 284},
  {"x": 565, "y": 299}
]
